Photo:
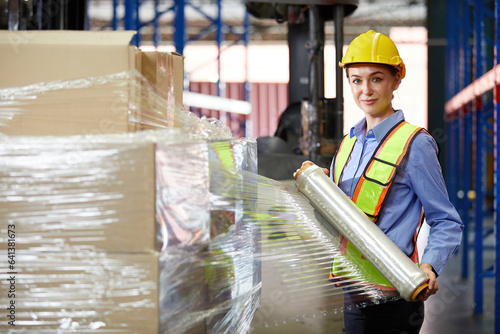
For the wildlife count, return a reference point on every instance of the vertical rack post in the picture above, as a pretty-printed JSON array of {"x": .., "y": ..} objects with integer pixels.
[
  {"x": 114, "y": 22},
  {"x": 466, "y": 80},
  {"x": 131, "y": 18},
  {"x": 478, "y": 140},
  {"x": 219, "y": 38},
  {"x": 497, "y": 169},
  {"x": 156, "y": 25},
  {"x": 180, "y": 26}
]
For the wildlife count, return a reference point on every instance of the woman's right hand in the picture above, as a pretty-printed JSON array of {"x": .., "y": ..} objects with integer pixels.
[{"x": 306, "y": 164}]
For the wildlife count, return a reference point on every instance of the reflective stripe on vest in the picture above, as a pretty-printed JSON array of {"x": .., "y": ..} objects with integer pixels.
[
  {"x": 370, "y": 193},
  {"x": 342, "y": 156}
]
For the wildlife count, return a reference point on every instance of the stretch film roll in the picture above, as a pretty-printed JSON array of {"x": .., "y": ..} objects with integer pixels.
[{"x": 366, "y": 236}]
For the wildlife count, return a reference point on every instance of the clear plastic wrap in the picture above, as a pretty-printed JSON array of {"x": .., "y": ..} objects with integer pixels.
[
  {"x": 96, "y": 205},
  {"x": 295, "y": 252},
  {"x": 115, "y": 103},
  {"x": 124, "y": 213}
]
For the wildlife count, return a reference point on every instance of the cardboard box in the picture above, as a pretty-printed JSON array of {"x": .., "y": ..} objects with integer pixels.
[
  {"x": 85, "y": 292},
  {"x": 41, "y": 56},
  {"x": 78, "y": 193},
  {"x": 161, "y": 69},
  {"x": 96, "y": 108},
  {"x": 164, "y": 70},
  {"x": 103, "y": 292},
  {"x": 118, "y": 193},
  {"x": 79, "y": 83}
]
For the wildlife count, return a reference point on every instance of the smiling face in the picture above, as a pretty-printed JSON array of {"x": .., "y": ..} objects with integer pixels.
[{"x": 372, "y": 86}]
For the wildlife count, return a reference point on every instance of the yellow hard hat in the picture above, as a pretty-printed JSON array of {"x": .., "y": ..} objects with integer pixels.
[{"x": 373, "y": 47}]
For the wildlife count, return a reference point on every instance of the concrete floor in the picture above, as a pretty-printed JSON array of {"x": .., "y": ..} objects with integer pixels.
[{"x": 451, "y": 309}]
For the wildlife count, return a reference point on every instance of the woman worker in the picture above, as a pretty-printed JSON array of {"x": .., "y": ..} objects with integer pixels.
[{"x": 410, "y": 180}]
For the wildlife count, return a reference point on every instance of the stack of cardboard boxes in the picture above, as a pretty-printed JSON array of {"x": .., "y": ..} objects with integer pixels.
[{"x": 102, "y": 228}]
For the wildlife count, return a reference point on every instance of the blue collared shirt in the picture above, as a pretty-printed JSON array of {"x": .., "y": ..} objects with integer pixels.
[{"x": 418, "y": 183}]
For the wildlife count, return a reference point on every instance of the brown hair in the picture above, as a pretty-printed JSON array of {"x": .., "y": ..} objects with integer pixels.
[{"x": 393, "y": 69}]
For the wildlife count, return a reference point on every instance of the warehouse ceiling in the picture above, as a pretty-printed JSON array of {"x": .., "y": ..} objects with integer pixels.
[{"x": 380, "y": 15}]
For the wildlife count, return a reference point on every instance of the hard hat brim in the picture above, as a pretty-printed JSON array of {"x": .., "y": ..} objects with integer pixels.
[{"x": 401, "y": 66}]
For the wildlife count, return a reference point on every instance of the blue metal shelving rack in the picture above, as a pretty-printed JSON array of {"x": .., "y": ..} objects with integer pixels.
[
  {"x": 131, "y": 21},
  {"x": 473, "y": 125}
]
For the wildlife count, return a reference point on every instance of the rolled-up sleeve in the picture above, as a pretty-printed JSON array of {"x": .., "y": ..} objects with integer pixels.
[{"x": 446, "y": 227}]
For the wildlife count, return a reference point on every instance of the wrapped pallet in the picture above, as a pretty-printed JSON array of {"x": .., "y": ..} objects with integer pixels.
[{"x": 106, "y": 228}]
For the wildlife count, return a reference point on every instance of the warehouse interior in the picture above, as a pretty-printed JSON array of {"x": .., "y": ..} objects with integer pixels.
[{"x": 147, "y": 152}]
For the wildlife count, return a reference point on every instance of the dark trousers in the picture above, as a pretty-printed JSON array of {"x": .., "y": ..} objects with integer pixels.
[{"x": 397, "y": 317}]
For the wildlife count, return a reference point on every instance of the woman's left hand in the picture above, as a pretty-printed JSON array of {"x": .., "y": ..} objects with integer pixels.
[{"x": 433, "y": 286}]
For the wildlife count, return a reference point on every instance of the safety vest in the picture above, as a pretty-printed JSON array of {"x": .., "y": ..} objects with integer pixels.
[{"x": 370, "y": 193}]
